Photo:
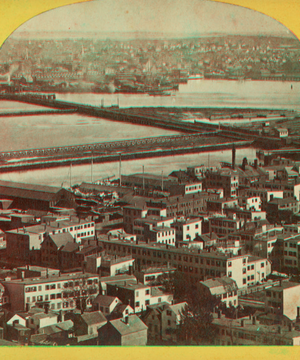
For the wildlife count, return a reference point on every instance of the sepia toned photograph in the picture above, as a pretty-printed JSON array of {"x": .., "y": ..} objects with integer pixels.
[{"x": 150, "y": 177}]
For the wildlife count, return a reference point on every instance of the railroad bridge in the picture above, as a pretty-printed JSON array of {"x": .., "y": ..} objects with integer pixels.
[{"x": 113, "y": 146}]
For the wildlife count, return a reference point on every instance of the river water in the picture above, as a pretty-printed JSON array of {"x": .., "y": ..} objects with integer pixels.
[
  {"x": 207, "y": 93},
  {"x": 56, "y": 130},
  {"x": 62, "y": 176}
]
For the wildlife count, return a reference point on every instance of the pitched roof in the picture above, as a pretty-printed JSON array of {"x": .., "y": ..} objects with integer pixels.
[
  {"x": 178, "y": 308},
  {"x": 61, "y": 239},
  {"x": 65, "y": 325},
  {"x": 30, "y": 191},
  {"x": 95, "y": 317},
  {"x": 135, "y": 324},
  {"x": 70, "y": 247},
  {"x": 105, "y": 300}
]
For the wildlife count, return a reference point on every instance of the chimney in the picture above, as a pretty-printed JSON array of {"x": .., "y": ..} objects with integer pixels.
[
  {"x": 219, "y": 314},
  {"x": 242, "y": 323},
  {"x": 22, "y": 275},
  {"x": 255, "y": 163},
  {"x": 233, "y": 156},
  {"x": 254, "y": 320}
]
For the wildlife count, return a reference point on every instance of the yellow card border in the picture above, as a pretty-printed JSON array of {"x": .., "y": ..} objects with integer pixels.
[{"x": 13, "y": 14}]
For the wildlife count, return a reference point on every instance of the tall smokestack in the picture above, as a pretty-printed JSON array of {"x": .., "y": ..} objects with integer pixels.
[{"x": 233, "y": 156}]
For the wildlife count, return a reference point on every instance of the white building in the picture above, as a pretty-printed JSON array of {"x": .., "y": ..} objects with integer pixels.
[{"x": 187, "y": 229}]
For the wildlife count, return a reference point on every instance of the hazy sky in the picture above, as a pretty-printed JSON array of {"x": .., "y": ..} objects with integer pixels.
[{"x": 169, "y": 16}]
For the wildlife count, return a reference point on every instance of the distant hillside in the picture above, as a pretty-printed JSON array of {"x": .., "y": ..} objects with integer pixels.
[{"x": 128, "y": 35}]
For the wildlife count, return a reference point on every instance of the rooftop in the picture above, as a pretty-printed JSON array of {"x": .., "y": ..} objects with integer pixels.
[
  {"x": 134, "y": 325},
  {"x": 50, "y": 279}
]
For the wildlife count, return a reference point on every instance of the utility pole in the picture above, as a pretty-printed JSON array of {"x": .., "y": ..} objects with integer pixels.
[
  {"x": 92, "y": 169},
  {"x": 120, "y": 170},
  {"x": 70, "y": 175}
]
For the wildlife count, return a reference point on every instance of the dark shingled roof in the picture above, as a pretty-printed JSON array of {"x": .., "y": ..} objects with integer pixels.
[
  {"x": 105, "y": 300},
  {"x": 61, "y": 239},
  {"x": 70, "y": 247},
  {"x": 95, "y": 317},
  {"x": 28, "y": 191}
]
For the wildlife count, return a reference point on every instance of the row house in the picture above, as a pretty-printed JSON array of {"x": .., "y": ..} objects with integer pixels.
[
  {"x": 223, "y": 288},
  {"x": 138, "y": 296},
  {"x": 250, "y": 203},
  {"x": 62, "y": 252},
  {"x": 196, "y": 264},
  {"x": 223, "y": 226},
  {"x": 163, "y": 321},
  {"x": 246, "y": 215},
  {"x": 187, "y": 229},
  {"x": 160, "y": 235},
  {"x": 265, "y": 195},
  {"x": 249, "y": 331},
  {"x": 290, "y": 188},
  {"x": 227, "y": 179},
  {"x": 284, "y": 299},
  {"x": 287, "y": 253},
  {"x": 219, "y": 205},
  {"x": 281, "y": 209},
  {"x": 20, "y": 243},
  {"x": 142, "y": 227},
  {"x": 188, "y": 205},
  {"x": 61, "y": 292}
]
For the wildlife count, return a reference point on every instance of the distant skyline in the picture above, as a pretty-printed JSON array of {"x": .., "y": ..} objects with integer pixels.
[{"x": 167, "y": 17}]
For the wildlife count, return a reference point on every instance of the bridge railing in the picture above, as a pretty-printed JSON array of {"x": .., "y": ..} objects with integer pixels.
[{"x": 122, "y": 144}]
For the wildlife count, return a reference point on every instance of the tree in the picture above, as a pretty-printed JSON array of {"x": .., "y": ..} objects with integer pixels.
[
  {"x": 196, "y": 327},
  {"x": 196, "y": 320}
]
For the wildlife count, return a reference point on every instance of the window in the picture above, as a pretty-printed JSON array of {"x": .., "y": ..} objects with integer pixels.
[
  {"x": 137, "y": 294},
  {"x": 147, "y": 302},
  {"x": 40, "y": 288},
  {"x": 137, "y": 304},
  {"x": 147, "y": 292},
  {"x": 169, "y": 312},
  {"x": 52, "y": 296},
  {"x": 229, "y": 263}
]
